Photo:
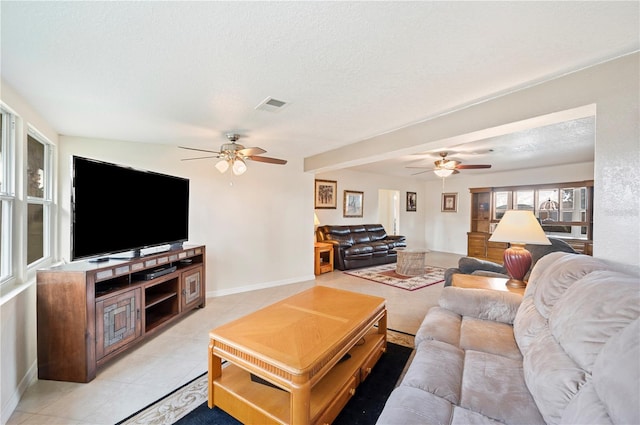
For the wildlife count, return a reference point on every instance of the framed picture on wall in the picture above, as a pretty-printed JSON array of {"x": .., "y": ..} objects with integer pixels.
[
  {"x": 412, "y": 201},
  {"x": 326, "y": 193},
  {"x": 449, "y": 202},
  {"x": 353, "y": 204}
]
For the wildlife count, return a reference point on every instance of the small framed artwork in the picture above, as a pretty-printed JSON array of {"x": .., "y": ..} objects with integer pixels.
[
  {"x": 353, "y": 202},
  {"x": 412, "y": 199},
  {"x": 450, "y": 202},
  {"x": 326, "y": 193}
]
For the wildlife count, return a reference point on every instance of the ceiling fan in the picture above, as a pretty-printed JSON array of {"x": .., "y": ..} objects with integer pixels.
[
  {"x": 234, "y": 155},
  {"x": 445, "y": 167}
]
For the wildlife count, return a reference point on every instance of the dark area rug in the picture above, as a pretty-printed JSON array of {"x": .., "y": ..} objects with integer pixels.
[{"x": 363, "y": 408}]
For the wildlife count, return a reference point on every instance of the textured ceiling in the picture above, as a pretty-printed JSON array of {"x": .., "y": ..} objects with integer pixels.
[{"x": 184, "y": 73}]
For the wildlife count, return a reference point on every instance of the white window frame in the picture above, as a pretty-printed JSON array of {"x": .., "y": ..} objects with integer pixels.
[
  {"x": 46, "y": 201},
  {"x": 8, "y": 195}
]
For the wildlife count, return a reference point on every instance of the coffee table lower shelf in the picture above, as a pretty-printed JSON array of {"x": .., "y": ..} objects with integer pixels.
[{"x": 253, "y": 402}]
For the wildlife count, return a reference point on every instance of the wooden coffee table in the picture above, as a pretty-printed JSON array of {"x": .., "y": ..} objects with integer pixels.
[
  {"x": 298, "y": 346},
  {"x": 483, "y": 282}
]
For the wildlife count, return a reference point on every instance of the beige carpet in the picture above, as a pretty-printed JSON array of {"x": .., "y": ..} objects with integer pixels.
[{"x": 386, "y": 274}]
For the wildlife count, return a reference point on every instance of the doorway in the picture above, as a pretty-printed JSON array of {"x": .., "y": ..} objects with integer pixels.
[{"x": 389, "y": 210}]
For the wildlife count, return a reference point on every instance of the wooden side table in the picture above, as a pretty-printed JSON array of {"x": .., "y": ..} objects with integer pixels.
[
  {"x": 483, "y": 282},
  {"x": 323, "y": 258}
]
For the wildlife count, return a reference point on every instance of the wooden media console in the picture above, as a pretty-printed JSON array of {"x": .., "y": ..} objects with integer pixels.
[{"x": 90, "y": 312}]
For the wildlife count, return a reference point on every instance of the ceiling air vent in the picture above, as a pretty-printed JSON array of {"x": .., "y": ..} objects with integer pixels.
[{"x": 272, "y": 105}]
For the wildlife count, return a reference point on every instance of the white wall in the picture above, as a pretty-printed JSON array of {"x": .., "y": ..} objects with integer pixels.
[
  {"x": 258, "y": 227},
  {"x": 612, "y": 87},
  {"x": 412, "y": 224}
]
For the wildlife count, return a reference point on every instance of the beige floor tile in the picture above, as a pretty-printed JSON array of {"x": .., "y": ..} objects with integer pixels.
[{"x": 179, "y": 353}]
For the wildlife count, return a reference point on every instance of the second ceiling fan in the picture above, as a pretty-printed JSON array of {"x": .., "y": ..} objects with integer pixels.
[{"x": 445, "y": 167}]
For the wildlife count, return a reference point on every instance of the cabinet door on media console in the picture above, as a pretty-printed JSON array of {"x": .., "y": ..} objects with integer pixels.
[
  {"x": 117, "y": 321},
  {"x": 192, "y": 293}
]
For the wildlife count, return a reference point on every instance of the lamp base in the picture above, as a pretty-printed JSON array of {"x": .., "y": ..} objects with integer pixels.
[
  {"x": 514, "y": 283},
  {"x": 517, "y": 261}
]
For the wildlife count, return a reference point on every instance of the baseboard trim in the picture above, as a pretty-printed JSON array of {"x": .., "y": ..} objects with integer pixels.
[
  {"x": 10, "y": 406},
  {"x": 262, "y": 285}
]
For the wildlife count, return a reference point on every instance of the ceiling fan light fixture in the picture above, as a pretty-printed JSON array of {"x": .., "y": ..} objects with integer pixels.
[
  {"x": 222, "y": 165},
  {"x": 443, "y": 172},
  {"x": 239, "y": 167}
]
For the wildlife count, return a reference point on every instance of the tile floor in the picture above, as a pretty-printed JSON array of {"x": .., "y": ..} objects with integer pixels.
[{"x": 179, "y": 354}]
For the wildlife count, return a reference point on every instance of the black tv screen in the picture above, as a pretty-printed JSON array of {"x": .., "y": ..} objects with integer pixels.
[{"x": 117, "y": 209}]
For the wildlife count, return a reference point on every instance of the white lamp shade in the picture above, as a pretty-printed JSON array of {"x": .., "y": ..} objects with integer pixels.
[
  {"x": 222, "y": 166},
  {"x": 519, "y": 227},
  {"x": 316, "y": 222},
  {"x": 239, "y": 167},
  {"x": 443, "y": 172}
]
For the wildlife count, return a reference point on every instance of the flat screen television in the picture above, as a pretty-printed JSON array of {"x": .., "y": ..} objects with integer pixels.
[{"x": 116, "y": 209}]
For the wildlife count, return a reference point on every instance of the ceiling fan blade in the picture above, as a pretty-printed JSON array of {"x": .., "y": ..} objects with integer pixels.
[
  {"x": 251, "y": 151},
  {"x": 471, "y": 167},
  {"x": 199, "y": 150},
  {"x": 267, "y": 159},
  {"x": 419, "y": 172},
  {"x": 200, "y": 157}
]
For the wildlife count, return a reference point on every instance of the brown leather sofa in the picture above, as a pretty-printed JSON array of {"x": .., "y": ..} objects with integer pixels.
[{"x": 360, "y": 245}]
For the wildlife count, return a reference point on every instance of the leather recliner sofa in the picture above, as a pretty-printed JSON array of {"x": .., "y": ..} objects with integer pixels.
[{"x": 360, "y": 245}]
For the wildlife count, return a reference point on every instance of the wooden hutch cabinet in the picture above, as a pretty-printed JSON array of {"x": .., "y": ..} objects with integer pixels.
[
  {"x": 565, "y": 211},
  {"x": 89, "y": 313},
  {"x": 478, "y": 244}
]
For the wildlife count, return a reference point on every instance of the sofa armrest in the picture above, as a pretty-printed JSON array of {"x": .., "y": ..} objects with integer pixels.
[
  {"x": 396, "y": 238},
  {"x": 468, "y": 265},
  {"x": 490, "y": 274},
  {"x": 487, "y": 304},
  {"x": 338, "y": 244}
]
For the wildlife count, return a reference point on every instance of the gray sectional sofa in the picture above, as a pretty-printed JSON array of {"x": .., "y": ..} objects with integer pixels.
[{"x": 568, "y": 352}]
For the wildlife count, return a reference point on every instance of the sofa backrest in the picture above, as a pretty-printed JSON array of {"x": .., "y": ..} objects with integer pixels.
[
  {"x": 577, "y": 329},
  {"x": 355, "y": 234},
  {"x": 341, "y": 234},
  {"x": 360, "y": 234},
  {"x": 376, "y": 232}
]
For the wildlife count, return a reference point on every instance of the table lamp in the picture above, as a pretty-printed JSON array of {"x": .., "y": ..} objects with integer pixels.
[{"x": 518, "y": 228}]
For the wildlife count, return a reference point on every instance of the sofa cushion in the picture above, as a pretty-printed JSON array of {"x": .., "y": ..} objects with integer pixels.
[
  {"x": 586, "y": 408},
  {"x": 437, "y": 368},
  {"x": 358, "y": 249},
  {"x": 376, "y": 232},
  {"x": 556, "y": 278},
  {"x": 593, "y": 310},
  {"x": 463, "y": 416},
  {"x": 494, "y": 386},
  {"x": 410, "y": 405},
  {"x": 552, "y": 377},
  {"x": 485, "y": 304},
  {"x": 440, "y": 324},
  {"x": 342, "y": 234},
  {"x": 615, "y": 375},
  {"x": 359, "y": 234},
  {"x": 489, "y": 337}
]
